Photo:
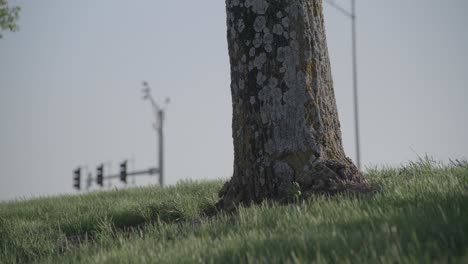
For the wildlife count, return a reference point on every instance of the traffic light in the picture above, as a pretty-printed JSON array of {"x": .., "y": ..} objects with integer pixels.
[
  {"x": 100, "y": 175},
  {"x": 123, "y": 171},
  {"x": 77, "y": 178}
]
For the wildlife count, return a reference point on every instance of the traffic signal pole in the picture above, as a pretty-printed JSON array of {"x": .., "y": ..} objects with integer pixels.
[
  {"x": 150, "y": 171},
  {"x": 100, "y": 177},
  {"x": 158, "y": 126}
]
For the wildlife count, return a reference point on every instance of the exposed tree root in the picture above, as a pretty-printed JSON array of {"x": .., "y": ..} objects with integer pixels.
[{"x": 328, "y": 177}]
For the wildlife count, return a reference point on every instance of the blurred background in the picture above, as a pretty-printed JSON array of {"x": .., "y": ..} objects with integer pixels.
[{"x": 70, "y": 87}]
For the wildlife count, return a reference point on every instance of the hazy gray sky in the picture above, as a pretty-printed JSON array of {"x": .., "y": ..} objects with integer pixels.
[{"x": 70, "y": 87}]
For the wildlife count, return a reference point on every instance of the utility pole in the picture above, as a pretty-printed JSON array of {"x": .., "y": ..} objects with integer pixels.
[
  {"x": 352, "y": 16},
  {"x": 158, "y": 126},
  {"x": 160, "y": 131}
]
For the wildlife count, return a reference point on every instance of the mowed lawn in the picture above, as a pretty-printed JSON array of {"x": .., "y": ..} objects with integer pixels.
[{"x": 420, "y": 215}]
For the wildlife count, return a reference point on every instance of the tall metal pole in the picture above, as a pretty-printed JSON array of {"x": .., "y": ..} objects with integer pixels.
[
  {"x": 158, "y": 126},
  {"x": 352, "y": 16},
  {"x": 355, "y": 88},
  {"x": 161, "y": 147}
]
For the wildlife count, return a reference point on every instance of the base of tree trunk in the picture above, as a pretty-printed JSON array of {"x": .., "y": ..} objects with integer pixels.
[{"x": 327, "y": 177}]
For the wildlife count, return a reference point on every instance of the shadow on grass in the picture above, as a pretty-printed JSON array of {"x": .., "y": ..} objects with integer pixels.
[
  {"x": 123, "y": 220},
  {"x": 118, "y": 222}
]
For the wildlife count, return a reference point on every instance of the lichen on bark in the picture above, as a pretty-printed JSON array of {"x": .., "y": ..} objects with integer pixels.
[{"x": 285, "y": 121}]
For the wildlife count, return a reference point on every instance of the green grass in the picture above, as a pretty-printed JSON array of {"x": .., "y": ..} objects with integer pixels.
[{"x": 419, "y": 216}]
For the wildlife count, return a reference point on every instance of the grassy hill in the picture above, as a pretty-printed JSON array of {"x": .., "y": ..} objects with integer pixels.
[{"x": 420, "y": 215}]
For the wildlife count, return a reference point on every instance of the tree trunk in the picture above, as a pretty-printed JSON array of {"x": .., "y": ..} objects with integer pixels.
[{"x": 285, "y": 123}]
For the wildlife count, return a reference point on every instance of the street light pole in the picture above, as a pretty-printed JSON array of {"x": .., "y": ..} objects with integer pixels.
[
  {"x": 161, "y": 146},
  {"x": 355, "y": 87},
  {"x": 352, "y": 16},
  {"x": 158, "y": 126}
]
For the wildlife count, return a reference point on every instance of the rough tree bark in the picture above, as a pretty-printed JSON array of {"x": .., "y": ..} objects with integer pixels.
[{"x": 285, "y": 122}]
